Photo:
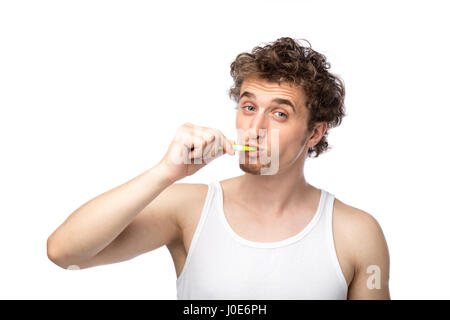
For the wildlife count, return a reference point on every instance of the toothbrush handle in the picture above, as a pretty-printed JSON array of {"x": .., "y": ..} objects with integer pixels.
[{"x": 238, "y": 147}]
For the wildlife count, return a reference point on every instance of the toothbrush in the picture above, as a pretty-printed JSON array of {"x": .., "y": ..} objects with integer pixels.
[{"x": 239, "y": 147}]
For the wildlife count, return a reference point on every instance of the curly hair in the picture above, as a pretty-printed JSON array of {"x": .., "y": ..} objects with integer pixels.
[{"x": 287, "y": 60}]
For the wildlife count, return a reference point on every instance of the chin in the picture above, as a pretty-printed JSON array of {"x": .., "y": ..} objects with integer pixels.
[
  {"x": 262, "y": 164},
  {"x": 256, "y": 169}
]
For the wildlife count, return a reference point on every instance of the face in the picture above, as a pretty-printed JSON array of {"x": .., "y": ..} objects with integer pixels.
[{"x": 274, "y": 117}]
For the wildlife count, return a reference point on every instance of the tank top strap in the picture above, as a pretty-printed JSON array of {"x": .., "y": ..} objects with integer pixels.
[
  {"x": 328, "y": 222},
  {"x": 207, "y": 213}
]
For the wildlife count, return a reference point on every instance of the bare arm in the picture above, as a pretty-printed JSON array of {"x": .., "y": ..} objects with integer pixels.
[
  {"x": 141, "y": 214},
  {"x": 371, "y": 257},
  {"x": 93, "y": 226}
]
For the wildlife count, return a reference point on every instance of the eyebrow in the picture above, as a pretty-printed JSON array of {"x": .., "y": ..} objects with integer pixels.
[{"x": 276, "y": 100}]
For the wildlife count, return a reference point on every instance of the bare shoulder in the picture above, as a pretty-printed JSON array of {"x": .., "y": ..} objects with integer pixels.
[
  {"x": 365, "y": 245},
  {"x": 354, "y": 221},
  {"x": 356, "y": 226},
  {"x": 193, "y": 196}
]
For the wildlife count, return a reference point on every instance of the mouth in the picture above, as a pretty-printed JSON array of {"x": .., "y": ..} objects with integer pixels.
[{"x": 253, "y": 153}]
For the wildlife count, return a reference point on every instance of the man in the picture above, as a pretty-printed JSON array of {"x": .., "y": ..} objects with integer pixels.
[{"x": 266, "y": 234}]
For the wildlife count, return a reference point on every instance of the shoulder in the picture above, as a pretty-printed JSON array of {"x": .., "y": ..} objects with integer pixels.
[
  {"x": 189, "y": 189},
  {"x": 356, "y": 222},
  {"x": 191, "y": 197},
  {"x": 365, "y": 245},
  {"x": 362, "y": 234}
]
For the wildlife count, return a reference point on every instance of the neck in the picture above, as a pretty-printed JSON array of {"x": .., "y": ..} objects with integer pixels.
[{"x": 275, "y": 194}]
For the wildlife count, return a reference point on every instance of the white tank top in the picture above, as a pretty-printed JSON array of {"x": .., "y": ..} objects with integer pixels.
[{"x": 221, "y": 264}]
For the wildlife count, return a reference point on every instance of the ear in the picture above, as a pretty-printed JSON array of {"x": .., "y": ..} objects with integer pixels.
[{"x": 317, "y": 133}]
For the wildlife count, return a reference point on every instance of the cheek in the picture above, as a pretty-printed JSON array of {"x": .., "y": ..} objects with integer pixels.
[
  {"x": 240, "y": 122},
  {"x": 283, "y": 140},
  {"x": 288, "y": 144}
]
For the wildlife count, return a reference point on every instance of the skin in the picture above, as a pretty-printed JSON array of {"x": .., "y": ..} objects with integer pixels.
[
  {"x": 359, "y": 239},
  {"x": 151, "y": 210},
  {"x": 288, "y": 187}
]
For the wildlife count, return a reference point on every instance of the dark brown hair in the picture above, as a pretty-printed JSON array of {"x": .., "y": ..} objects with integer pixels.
[{"x": 287, "y": 60}]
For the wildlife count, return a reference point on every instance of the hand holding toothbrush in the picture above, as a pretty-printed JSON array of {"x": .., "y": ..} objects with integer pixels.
[{"x": 192, "y": 148}]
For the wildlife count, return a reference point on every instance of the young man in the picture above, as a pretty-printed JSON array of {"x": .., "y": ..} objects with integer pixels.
[{"x": 267, "y": 234}]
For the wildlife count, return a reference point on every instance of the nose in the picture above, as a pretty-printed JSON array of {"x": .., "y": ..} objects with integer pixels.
[{"x": 258, "y": 128}]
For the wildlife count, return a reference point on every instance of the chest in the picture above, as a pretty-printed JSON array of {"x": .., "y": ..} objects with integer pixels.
[
  {"x": 250, "y": 228},
  {"x": 258, "y": 227}
]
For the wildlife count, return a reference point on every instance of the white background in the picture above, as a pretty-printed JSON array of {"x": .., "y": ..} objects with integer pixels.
[{"x": 92, "y": 92}]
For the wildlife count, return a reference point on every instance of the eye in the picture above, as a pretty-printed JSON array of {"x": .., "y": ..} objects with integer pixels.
[
  {"x": 248, "y": 107},
  {"x": 285, "y": 115}
]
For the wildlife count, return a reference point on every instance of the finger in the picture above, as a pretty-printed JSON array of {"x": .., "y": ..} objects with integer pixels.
[
  {"x": 196, "y": 147},
  {"x": 225, "y": 143},
  {"x": 204, "y": 149},
  {"x": 215, "y": 152},
  {"x": 207, "y": 140},
  {"x": 208, "y": 152},
  {"x": 218, "y": 141}
]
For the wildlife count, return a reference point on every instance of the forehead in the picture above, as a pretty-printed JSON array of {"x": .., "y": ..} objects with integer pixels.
[{"x": 264, "y": 89}]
